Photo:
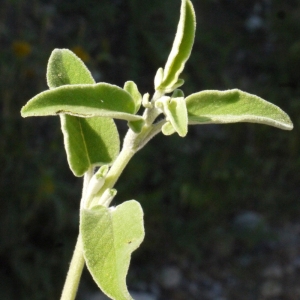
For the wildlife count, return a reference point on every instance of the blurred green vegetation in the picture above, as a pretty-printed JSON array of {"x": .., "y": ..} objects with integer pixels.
[{"x": 191, "y": 189}]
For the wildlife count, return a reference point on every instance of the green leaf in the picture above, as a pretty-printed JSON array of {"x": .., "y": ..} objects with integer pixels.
[
  {"x": 109, "y": 236},
  {"x": 132, "y": 89},
  {"x": 177, "y": 93},
  {"x": 181, "y": 48},
  {"x": 158, "y": 78},
  {"x": 168, "y": 129},
  {"x": 136, "y": 126},
  {"x": 83, "y": 100},
  {"x": 64, "y": 67},
  {"x": 233, "y": 106},
  {"x": 90, "y": 141},
  {"x": 176, "y": 113}
]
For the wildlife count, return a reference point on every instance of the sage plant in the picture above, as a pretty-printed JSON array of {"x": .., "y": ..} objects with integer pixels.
[{"x": 107, "y": 234}]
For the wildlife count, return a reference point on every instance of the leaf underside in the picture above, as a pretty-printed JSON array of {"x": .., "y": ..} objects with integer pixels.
[
  {"x": 83, "y": 100},
  {"x": 233, "y": 106},
  {"x": 109, "y": 236},
  {"x": 89, "y": 142}
]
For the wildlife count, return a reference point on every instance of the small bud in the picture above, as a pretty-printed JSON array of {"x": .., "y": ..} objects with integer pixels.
[
  {"x": 158, "y": 77},
  {"x": 95, "y": 184},
  {"x": 145, "y": 101},
  {"x": 107, "y": 197}
]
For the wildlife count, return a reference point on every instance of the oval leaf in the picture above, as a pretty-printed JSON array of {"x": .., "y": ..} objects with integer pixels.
[
  {"x": 109, "y": 236},
  {"x": 88, "y": 141},
  {"x": 64, "y": 67},
  {"x": 132, "y": 89},
  {"x": 83, "y": 100},
  {"x": 182, "y": 46},
  {"x": 233, "y": 106}
]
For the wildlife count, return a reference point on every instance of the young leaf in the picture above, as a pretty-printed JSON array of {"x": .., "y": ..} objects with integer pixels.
[
  {"x": 158, "y": 77},
  {"x": 83, "y": 100},
  {"x": 168, "y": 129},
  {"x": 109, "y": 236},
  {"x": 132, "y": 89},
  {"x": 176, "y": 113},
  {"x": 233, "y": 106},
  {"x": 145, "y": 101},
  {"x": 177, "y": 93},
  {"x": 90, "y": 141},
  {"x": 181, "y": 48}
]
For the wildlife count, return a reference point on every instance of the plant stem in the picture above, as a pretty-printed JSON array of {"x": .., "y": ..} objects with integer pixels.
[
  {"x": 114, "y": 173},
  {"x": 132, "y": 143},
  {"x": 77, "y": 263},
  {"x": 76, "y": 267}
]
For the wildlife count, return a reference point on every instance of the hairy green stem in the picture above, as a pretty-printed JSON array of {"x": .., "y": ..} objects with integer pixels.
[
  {"x": 114, "y": 173},
  {"x": 77, "y": 263},
  {"x": 75, "y": 270}
]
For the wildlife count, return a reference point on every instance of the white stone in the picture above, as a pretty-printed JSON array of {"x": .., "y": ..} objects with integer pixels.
[
  {"x": 142, "y": 296},
  {"x": 271, "y": 288},
  {"x": 135, "y": 296},
  {"x": 273, "y": 271},
  {"x": 95, "y": 296},
  {"x": 170, "y": 277}
]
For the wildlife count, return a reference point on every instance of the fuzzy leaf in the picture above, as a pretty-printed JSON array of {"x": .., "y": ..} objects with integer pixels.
[
  {"x": 83, "y": 100},
  {"x": 88, "y": 141},
  {"x": 109, "y": 236},
  {"x": 181, "y": 48},
  {"x": 177, "y": 115},
  {"x": 177, "y": 93},
  {"x": 233, "y": 106},
  {"x": 158, "y": 78},
  {"x": 175, "y": 112},
  {"x": 168, "y": 129},
  {"x": 136, "y": 126},
  {"x": 64, "y": 67},
  {"x": 132, "y": 89}
]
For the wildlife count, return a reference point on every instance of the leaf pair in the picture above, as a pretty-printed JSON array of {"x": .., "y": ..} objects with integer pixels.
[
  {"x": 90, "y": 139},
  {"x": 208, "y": 106},
  {"x": 109, "y": 236},
  {"x": 222, "y": 107}
]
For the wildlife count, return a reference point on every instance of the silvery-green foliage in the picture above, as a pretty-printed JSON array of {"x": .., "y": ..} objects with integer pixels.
[{"x": 87, "y": 110}]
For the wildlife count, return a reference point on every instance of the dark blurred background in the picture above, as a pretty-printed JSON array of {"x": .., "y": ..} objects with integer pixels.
[{"x": 221, "y": 206}]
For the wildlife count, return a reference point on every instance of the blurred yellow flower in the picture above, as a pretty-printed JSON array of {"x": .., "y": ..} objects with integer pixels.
[
  {"x": 21, "y": 48},
  {"x": 47, "y": 186},
  {"x": 81, "y": 53},
  {"x": 29, "y": 73}
]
